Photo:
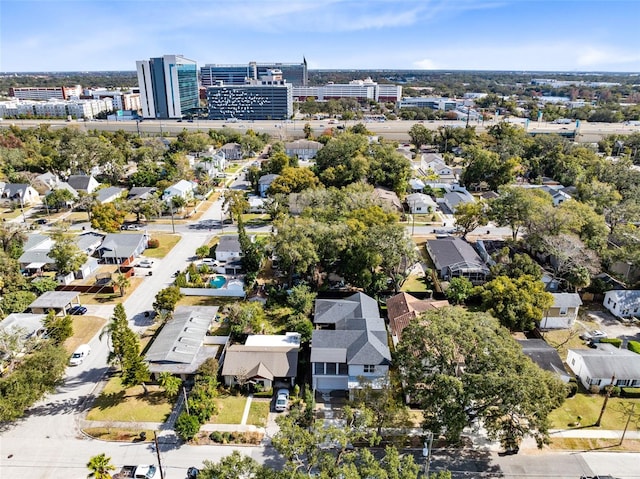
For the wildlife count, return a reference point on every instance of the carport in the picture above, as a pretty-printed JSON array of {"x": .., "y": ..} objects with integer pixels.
[{"x": 58, "y": 301}]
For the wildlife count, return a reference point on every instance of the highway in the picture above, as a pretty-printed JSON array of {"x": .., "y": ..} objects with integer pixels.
[{"x": 293, "y": 129}]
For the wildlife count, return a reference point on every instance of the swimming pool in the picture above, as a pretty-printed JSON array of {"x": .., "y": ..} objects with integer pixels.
[{"x": 218, "y": 282}]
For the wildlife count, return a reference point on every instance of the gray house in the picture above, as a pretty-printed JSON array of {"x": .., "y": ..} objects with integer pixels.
[
  {"x": 264, "y": 183},
  {"x": 109, "y": 194},
  {"x": 454, "y": 257},
  {"x": 122, "y": 248},
  {"x": 181, "y": 346},
  {"x": 349, "y": 346}
]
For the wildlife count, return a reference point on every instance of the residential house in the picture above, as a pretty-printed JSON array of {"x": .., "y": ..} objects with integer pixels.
[
  {"x": 19, "y": 194},
  {"x": 122, "y": 248},
  {"x": 263, "y": 360},
  {"x": 404, "y": 308},
  {"x": 109, "y": 194},
  {"x": 563, "y": 313},
  {"x": 453, "y": 198},
  {"x": 88, "y": 243},
  {"x": 545, "y": 356},
  {"x": 350, "y": 345},
  {"x": 599, "y": 366},
  {"x": 57, "y": 301},
  {"x": 303, "y": 149},
  {"x": 182, "y": 344},
  {"x": 406, "y": 152},
  {"x": 622, "y": 303},
  {"x": 389, "y": 198},
  {"x": 86, "y": 183},
  {"x": 232, "y": 151},
  {"x": 35, "y": 257},
  {"x": 256, "y": 204},
  {"x": 45, "y": 182},
  {"x": 556, "y": 191},
  {"x": 63, "y": 185},
  {"x": 264, "y": 182},
  {"x": 420, "y": 203},
  {"x": 416, "y": 185},
  {"x": 28, "y": 325},
  {"x": 141, "y": 193},
  {"x": 183, "y": 189},
  {"x": 454, "y": 257},
  {"x": 228, "y": 248}
]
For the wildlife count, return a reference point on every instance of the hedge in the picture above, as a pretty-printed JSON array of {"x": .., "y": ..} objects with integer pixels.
[
  {"x": 634, "y": 346},
  {"x": 617, "y": 342},
  {"x": 630, "y": 392}
]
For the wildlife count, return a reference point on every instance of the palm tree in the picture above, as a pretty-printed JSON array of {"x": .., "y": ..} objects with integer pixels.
[
  {"x": 122, "y": 282},
  {"x": 100, "y": 466}
]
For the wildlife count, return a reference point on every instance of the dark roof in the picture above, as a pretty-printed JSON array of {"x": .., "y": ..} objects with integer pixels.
[
  {"x": 543, "y": 355},
  {"x": 122, "y": 244},
  {"x": 451, "y": 251},
  {"x": 229, "y": 243},
  {"x": 141, "y": 192},
  {"x": 267, "y": 362},
  {"x": 79, "y": 182},
  {"x": 358, "y": 305},
  {"x": 267, "y": 179}
]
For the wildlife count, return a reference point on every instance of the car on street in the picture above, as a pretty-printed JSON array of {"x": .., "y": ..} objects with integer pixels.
[
  {"x": 594, "y": 336},
  {"x": 131, "y": 227},
  {"x": 282, "y": 400},
  {"x": 145, "y": 263},
  {"x": 41, "y": 221},
  {"x": 77, "y": 310},
  {"x": 79, "y": 354}
]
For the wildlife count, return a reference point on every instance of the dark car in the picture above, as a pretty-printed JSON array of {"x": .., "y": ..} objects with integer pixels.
[
  {"x": 192, "y": 473},
  {"x": 41, "y": 221},
  {"x": 77, "y": 310}
]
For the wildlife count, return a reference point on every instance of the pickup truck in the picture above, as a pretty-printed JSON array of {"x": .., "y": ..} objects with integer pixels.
[{"x": 141, "y": 471}]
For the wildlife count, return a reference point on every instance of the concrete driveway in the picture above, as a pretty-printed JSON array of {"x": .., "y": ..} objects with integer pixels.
[{"x": 614, "y": 327}]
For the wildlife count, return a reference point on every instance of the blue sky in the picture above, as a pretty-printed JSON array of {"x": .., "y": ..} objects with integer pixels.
[{"x": 90, "y": 35}]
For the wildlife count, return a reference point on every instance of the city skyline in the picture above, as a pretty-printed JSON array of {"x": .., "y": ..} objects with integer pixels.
[{"x": 529, "y": 35}]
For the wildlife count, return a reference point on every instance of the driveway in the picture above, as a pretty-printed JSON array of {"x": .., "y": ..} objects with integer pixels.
[{"x": 614, "y": 327}]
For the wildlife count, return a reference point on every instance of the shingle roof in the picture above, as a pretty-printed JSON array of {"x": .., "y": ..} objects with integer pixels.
[
  {"x": 403, "y": 307},
  {"x": 141, "y": 192},
  {"x": 29, "y": 323},
  {"x": 267, "y": 362},
  {"x": 607, "y": 360},
  {"x": 80, "y": 182},
  {"x": 543, "y": 355},
  {"x": 450, "y": 251},
  {"x": 229, "y": 244},
  {"x": 566, "y": 300},
  {"x": 267, "y": 179},
  {"x": 109, "y": 192},
  {"x": 124, "y": 244}
]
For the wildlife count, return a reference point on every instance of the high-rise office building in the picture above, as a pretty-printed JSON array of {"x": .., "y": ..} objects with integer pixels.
[
  {"x": 211, "y": 75},
  {"x": 168, "y": 86},
  {"x": 269, "y": 98}
]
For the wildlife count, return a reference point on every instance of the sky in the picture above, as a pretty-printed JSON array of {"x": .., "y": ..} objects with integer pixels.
[{"x": 530, "y": 35}]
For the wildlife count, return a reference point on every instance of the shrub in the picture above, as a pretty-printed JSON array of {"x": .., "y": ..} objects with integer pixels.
[
  {"x": 615, "y": 391},
  {"x": 594, "y": 389},
  {"x": 634, "y": 346},
  {"x": 216, "y": 436},
  {"x": 572, "y": 390},
  {"x": 617, "y": 342},
  {"x": 153, "y": 243},
  {"x": 187, "y": 426},
  {"x": 630, "y": 392}
]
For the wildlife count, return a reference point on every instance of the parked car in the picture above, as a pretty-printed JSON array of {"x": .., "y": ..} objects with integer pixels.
[
  {"x": 79, "y": 354},
  {"x": 145, "y": 263},
  {"x": 77, "y": 310},
  {"x": 282, "y": 400},
  {"x": 41, "y": 221},
  {"x": 593, "y": 336},
  {"x": 210, "y": 262}
]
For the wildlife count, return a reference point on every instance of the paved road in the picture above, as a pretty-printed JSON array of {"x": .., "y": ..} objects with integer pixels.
[{"x": 393, "y": 130}]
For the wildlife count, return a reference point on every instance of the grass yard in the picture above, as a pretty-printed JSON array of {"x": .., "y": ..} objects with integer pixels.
[
  {"x": 258, "y": 412},
  {"x": 8, "y": 214},
  {"x": 592, "y": 444},
  {"x": 167, "y": 242},
  {"x": 116, "y": 403},
  {"x": 563, "y": 339},
  {"x": 202, "y": 301},
  {"x": 119, "y": 435},
  {"x": 415, "y": 283},
  {"x": 230, "y": 409},
  {"x": 588, "y": 406},
  {"x": 84, "y": 328}
]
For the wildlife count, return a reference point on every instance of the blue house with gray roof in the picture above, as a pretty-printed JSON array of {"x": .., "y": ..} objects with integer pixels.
[{"x": 349, "y": 345}]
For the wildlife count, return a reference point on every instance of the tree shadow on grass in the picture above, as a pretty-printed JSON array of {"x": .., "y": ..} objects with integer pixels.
[{"x": 108, "y": 400}]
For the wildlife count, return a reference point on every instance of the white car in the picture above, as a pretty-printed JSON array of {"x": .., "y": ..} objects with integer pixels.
[
  {"x": 210, "y": 262},
  {"x": 594, "y": 336},
  {"x": 145, "y": 263},
  {"x": 78, "y": 356},
  {"x": 282, "y": 400}
]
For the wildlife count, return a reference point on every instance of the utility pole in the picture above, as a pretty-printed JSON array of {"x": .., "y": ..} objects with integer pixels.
[
  {"x": 155, "y": 440},
  {"x": 427, "y": 453},
  {"x": 186, "y": 403},
  {"x": 606, "y": 399}
]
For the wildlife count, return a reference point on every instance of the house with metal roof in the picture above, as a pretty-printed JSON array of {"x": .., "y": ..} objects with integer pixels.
[
  {"x": 599, "y": 366},
  {"x": 181, "y": 346},
  {"x": 265, "y": 360},
  {"x": 404, "y": 308},
  {"x": 563, "y": 312},
  {"x": 453, "y": 257},
  {"x": 349, "y": 345},
  {"x": 622, "y": 303}
]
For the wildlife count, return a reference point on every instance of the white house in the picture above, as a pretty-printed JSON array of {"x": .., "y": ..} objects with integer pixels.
[
  {"x": 622, "y": 303},
  {"x": 416, "y": 185},
  {"x": 228, "y": 248},
  {"x": 86, "y": 183},
  {"x": 20, "y": 194},
  {"x": 420, "y": 203},
  {"x": 183, "y": 189},
  {"x": 302, "y": 148},
  {"x": 597, "y": 367},
  {"x": 563, "y": 313}
]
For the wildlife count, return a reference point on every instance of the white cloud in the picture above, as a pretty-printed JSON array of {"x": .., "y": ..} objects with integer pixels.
[
  {"x": 593, "y": 56},
  {"x": 425, "y": 64}
]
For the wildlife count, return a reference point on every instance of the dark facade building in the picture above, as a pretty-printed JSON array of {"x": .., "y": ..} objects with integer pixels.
[{"x": 214, "y": 75}]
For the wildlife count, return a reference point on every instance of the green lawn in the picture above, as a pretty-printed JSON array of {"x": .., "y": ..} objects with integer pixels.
[
  {"x": 258, "y": 412},
  {"x": 167, "y": 242},
  {"x": 415, "y": 283},
  {"x": 230, "y": 409},
  {"x": 588, "y": 406},
  {"x": 116, "y": 403},
  {"x": 84, "y": 329},
  {"x": 563, "y": 339}
]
